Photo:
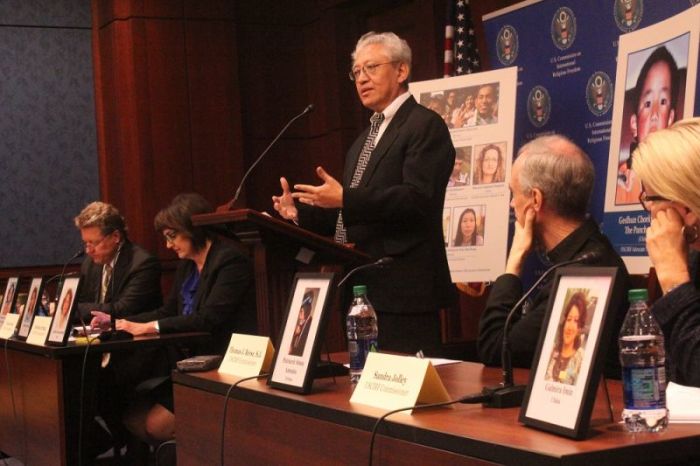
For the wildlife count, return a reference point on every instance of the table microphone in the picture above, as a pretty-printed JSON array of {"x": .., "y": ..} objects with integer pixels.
[
  {"x": 507, "y": 394},
  {"x": 383, "y": 262},
  {"x": 61, "y": 277},
  {"x": 309, "y": 108}
]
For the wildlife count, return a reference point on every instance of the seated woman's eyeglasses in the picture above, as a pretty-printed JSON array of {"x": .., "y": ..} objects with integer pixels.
[
  {"x": 646, "y": 199},
  {"x": 369, "y": 70},
  {"x": 170, "y": 235}
]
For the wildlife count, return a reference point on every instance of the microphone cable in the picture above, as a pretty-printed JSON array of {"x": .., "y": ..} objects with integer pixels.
[
  {"x": 425, "y": 406},
  {"x": 12, "y": 395},
  {"x": 166, "y": 443},
  {"x": 228, "y": 395},
  {"x": 9, "y": 383},
  {"x": 81, "y": 402}
]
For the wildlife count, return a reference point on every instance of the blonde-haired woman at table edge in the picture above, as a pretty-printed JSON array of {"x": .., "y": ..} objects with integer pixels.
[{"x": 668, "y": 164}]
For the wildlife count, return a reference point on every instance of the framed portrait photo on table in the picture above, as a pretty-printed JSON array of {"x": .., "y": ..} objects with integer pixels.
[{"x": 572, "y": 348}]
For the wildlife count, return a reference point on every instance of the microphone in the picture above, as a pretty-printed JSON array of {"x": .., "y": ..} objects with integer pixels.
[
  {"x": 61, "y": 277},
  {"x": 507, "y": 394},
  {"x": 383, "y": 262},
  {"x": 309, "y": 108}
]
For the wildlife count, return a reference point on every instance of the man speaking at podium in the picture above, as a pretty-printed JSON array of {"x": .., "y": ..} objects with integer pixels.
[{"x": 390, "y": 200}]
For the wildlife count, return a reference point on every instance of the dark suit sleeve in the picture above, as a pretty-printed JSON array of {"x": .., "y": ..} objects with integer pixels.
[
  {"x": 525, "y": 328},
  {"x": 428, "y": 159},
  {"x": 506, "y": 291},
  {"x": 678, "y": 314},
  {"x": 86, "y": 296},
  {"x": 224, "y": 290},
  {"x": 137, "y": 294},
  {"x": 169, "y": 308},
  {"x": 320, "y": 221},
  {"x": 138, "y": 290}
]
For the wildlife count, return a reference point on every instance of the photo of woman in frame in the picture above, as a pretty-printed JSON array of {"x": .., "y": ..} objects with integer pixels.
[
  {"x": 30, "y": 308},
  {"x": 62, "y": 315},
  {"x": 9, "y": 297},
  {"x": 569, "y": 345},
  {"x": 489, "y": 164}
]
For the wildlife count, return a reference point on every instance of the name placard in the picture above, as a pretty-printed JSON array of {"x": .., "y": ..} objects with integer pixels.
[
  {"x": 40, "y": 330},
  {"x": 247, "y": 355},
  {"x": 9, "y": 326},
  {"x": 390, "y": 382}
]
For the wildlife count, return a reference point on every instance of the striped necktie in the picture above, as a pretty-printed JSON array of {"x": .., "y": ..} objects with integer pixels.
[
  {"x": 341, "y": 234},
  {"x": 106, "y": 279}
]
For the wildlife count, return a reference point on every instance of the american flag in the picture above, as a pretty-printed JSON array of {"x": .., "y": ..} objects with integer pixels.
[{"x": 461, "y": 53}]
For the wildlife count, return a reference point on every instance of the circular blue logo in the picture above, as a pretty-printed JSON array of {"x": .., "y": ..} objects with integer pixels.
[
  {"x": 628, "y": 14},
  {"x": 563, "y": 28},
  {"x": 539, "y": 106},
  {"x": 599, "y": 91},
  {"x": 507, "y": 45}
]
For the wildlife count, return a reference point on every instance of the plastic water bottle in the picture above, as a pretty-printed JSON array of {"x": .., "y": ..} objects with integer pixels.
[
  {"x": 362, "y": 331},
  {"x": 642, "y": 356}
]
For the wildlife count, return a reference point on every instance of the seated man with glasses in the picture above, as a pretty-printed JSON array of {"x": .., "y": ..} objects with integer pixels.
[
  {"x": 121, "y": 278},
  {"x": 117, "y": 276},
  {"x": 551, "y": 184},
  {"x": 390, "y": 198}
]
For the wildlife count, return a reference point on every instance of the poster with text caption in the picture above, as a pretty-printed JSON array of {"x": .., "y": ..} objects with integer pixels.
[
  {"x": 479, "y": 109},
  {"x": 655, "y": 86}
]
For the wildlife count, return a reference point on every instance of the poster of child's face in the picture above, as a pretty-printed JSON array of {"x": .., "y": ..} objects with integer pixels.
[
  {"x": 62, "y": 315},
  {"x": 9, "y": 296},
  {"x": 654, "y": 95}
]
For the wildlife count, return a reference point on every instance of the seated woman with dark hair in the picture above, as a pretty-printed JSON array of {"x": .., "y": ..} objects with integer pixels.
[
  {"x": 213, "y": 292},
  {"x": 668, "y": 164}
]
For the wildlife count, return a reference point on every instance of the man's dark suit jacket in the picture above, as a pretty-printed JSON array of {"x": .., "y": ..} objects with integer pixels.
[
  {"x": 135, "y": 284},
  {"x": 397, "y": 211},
  {"x": 224, "y": 301}
]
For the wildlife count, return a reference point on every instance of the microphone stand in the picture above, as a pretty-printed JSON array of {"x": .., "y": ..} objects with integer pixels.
[
  {"x": 330, "y": 368},
  {"x": 309, "y": 108},
  {"x": 383, "y": 262},
  {"x": 507, "y": 394},
  {"x": 61, "y": 277}
]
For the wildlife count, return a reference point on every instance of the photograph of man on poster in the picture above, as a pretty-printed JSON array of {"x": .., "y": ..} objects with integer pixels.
[{"x": 654, "y": 103}]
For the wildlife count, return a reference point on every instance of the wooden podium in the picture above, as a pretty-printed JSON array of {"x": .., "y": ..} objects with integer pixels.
[{"x": 279, "y": 249}]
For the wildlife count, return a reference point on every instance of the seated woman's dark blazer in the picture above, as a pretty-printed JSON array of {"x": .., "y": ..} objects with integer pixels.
[{"x": 224, "y": 301}]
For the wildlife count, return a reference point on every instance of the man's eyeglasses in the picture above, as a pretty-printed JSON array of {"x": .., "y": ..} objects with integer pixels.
[
  {"x": 93, "y": 244},
  {"x": 645, "y": 199},
  {"x": 369, "y": 70}
]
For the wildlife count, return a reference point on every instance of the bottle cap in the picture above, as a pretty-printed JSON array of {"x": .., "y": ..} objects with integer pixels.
[
  {"x": 638, "y": 294},
  {"x": 359, "y": 290}
]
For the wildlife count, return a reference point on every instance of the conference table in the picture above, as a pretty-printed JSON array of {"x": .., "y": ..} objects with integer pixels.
[
  {"x": 40, "y": 395},
  {"x": 268, "y": 426}
]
